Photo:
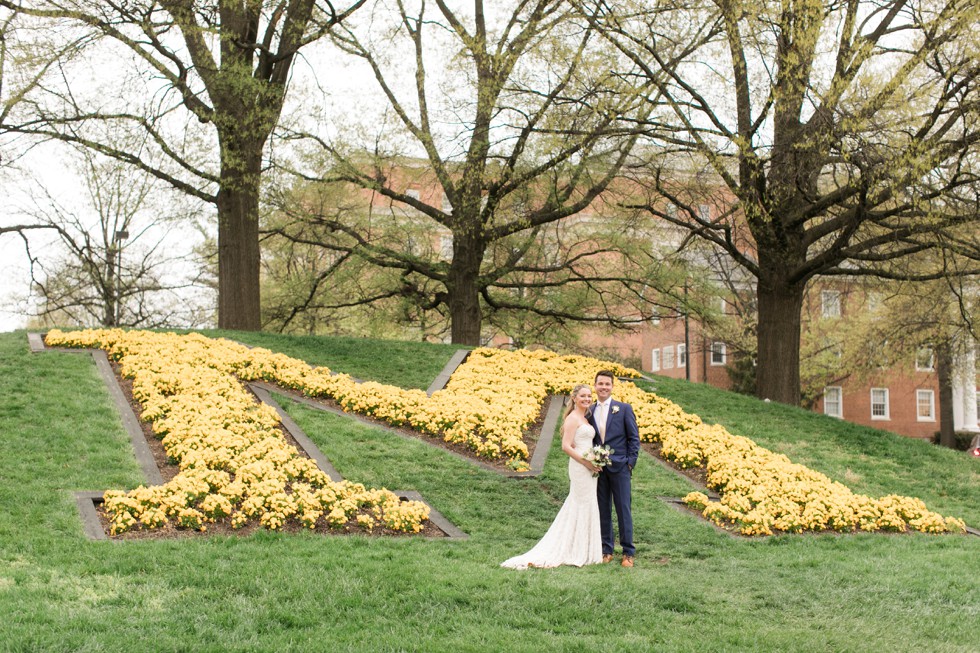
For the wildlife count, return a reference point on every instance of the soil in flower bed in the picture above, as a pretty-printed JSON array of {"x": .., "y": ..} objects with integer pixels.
[
  {"x": 224, "y": 529},
  {"x": 699, "y": 475}
]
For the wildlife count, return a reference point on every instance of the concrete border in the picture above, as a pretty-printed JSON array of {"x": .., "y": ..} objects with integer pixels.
[
  {"x": 436, "y": 517},
  {"x": 129, "y": 419},
  {"x": 305, "y": 443},
  {"x": 711, "y": 494},
  {"x": 547, "y": 436},
  {"x": 443, "y": 377},
  {"x": 91, "y": 524},
  {"x": 132, "y": 424},
  {"x": 680, "y": 506}
]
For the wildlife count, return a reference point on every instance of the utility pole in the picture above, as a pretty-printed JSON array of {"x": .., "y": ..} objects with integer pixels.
[{"x": 120, "y": 236}]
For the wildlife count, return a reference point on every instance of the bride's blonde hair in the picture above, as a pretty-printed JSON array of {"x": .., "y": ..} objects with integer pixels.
[{"x": 577, "y": 389}]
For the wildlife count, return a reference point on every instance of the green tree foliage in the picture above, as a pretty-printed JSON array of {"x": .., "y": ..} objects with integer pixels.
[
  {"x": 382, "y": 272},
  {"x": 845, "y": 133}
]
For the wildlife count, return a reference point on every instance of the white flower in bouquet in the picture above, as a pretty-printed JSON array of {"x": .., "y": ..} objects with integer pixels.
[{"x": 600, "y": 456}]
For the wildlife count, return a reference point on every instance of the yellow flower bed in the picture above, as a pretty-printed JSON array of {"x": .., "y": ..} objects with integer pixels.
[
  {"x": 234, "y": 462},
  {"x": 763, "y": 492},
  {"x": 489, "y": 402}
]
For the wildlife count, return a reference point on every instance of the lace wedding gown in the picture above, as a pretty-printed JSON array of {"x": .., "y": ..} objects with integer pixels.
[{"x": 574, "y": 537}]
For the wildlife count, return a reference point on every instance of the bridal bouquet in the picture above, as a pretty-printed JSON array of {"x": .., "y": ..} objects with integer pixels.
[{"x": 600, "y": 456}]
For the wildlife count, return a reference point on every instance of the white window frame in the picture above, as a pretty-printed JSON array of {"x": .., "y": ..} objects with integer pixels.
[
  {"x": 719, "y": 353},
  {"x": 885, "y": 403},
  {"x": 413, "y": 193},
  {"x": 681, "y": 355},
  {"x": 930, "y": 396},
  {"x": 830, "y": 303},
  {"x": 875, "y": 301},
  {"x": 839, "y": 401},
  {"x": 446, "y": 247},
  {"x": 928, "y": 366},
  {"x": 655, "y": 360},
  {"x": 668, "y": 358},
  {"x": 447, "y": 206}
]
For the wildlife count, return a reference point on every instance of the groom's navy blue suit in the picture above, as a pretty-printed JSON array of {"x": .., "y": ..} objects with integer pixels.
[{"x": 614, "y": 488}]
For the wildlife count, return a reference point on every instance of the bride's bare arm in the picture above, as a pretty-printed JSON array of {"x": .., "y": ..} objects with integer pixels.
[{"x": 568, "y": 440}]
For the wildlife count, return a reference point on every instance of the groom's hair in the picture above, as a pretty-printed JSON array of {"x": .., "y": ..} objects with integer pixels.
[{"x": 611, "y": 376}]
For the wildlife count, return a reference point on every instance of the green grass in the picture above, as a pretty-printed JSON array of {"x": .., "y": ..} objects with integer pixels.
[{"x": 694, "y": 589}]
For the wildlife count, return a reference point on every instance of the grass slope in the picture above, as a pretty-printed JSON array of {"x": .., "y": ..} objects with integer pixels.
[{"x": 694, "y": 589}]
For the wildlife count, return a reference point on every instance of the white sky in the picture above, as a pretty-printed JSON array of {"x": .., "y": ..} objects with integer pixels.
[{"x": 13, "y": 278}]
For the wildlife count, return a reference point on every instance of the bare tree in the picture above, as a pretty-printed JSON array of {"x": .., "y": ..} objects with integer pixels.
[
  {"x": 518, "y": 123},
  {"x": 120, "y": 262},
  {"x": 225, "y": 65},
  {"x": 839, "y": 127}
]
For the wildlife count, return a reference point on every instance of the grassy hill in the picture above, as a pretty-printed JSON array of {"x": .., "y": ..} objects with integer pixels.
[{"x": 694, "y": 588}]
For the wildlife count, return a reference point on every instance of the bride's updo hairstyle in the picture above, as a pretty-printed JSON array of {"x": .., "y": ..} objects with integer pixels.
[{"x": 577, "y": 389}]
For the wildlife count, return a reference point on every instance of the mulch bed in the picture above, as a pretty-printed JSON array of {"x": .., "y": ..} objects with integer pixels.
[
  {"x": 697, "y": 474},
  {"x": 223, "y": 528}
]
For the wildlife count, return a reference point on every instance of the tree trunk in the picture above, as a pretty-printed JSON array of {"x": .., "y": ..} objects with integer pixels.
[
  {"x": 778, "y": 338},
  {"x": 944, "y": 374},
  {"x": 238, "y": 236},
  {"x": 465, "y": 314}
]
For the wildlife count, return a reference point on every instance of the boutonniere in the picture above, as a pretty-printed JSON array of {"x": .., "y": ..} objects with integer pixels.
[{"x": 615, "y": 409}]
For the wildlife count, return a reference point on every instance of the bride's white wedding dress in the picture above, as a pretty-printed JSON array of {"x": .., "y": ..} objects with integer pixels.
[{"x": 574, "y": 537}]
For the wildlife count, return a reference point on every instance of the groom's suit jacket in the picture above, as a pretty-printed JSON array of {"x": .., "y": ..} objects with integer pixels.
[{"x": 622, "y": 434}]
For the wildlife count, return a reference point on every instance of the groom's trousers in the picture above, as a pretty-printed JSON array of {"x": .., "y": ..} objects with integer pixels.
[{"x": 614, "y": 489}]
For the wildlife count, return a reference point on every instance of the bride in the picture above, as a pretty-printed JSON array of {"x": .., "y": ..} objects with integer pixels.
[{"x": 574, "y": 537}]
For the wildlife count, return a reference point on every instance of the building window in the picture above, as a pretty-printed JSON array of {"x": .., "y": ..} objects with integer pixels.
[
  {"x": 411, "y": 247},
  {"x": 925, "y": 360},
  {"x": 925, "y": 405},
  {"x": 681, "y": 355},
  {"x": 833, "y": 403},
  {"x": 875, "y": 301},
  {"x": 655, "y": 360},
  {"x": 718, "y": 353},
  {"x": 830, "y": 303},
  {"x": 413, "y": 193},
  {"x": 668, "y": 358},
  {"x": 447, "y": 206},
  {"x": 446, "y": 247},
  {"x": 879, "y": 403},
  {"x": 832, "y": 347},
  {"x": 704, "y": 212}
]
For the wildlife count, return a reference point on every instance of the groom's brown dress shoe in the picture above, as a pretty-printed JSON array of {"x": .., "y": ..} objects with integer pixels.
[
  {"x": 606, "y": 557},
  {"x": 627, "y": 561}
]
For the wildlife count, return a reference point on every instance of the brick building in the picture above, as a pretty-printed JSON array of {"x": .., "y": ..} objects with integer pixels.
[{"x": 902, "y": 397}]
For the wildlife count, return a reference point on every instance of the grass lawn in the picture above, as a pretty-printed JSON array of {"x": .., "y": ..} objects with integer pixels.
[{"x": 694, "y": 588}]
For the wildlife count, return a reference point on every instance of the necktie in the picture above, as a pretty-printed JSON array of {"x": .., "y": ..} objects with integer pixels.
[{"x": 600, "y": 420}]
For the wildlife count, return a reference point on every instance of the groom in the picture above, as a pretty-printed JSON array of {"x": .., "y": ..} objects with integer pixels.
[{"x": 615, "y": 426}]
